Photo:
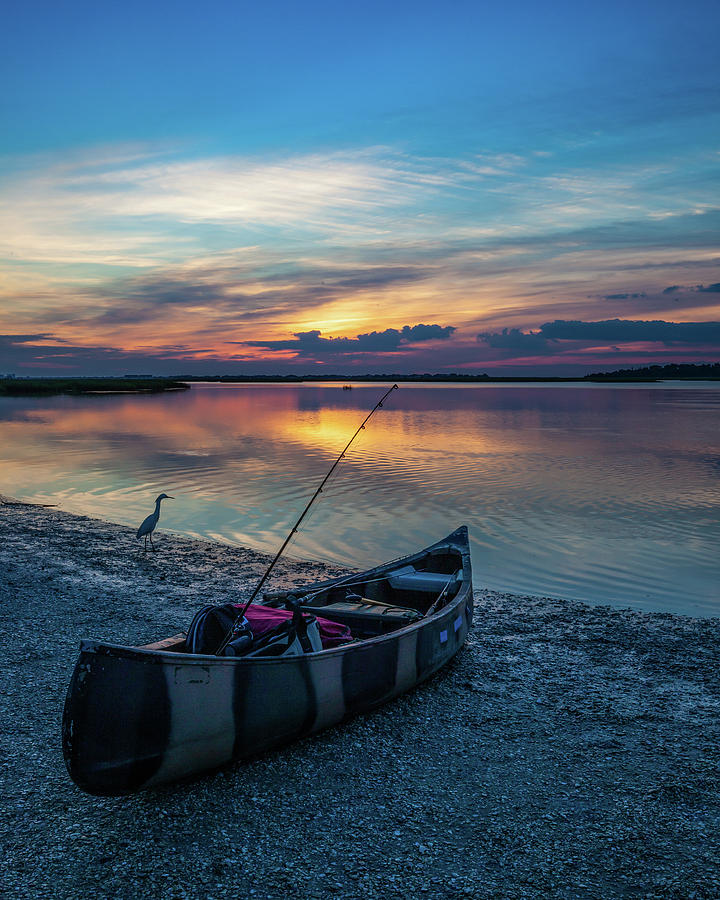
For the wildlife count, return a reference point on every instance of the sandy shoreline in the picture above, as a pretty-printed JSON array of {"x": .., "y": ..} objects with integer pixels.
[{"x": 568, "y": 751}]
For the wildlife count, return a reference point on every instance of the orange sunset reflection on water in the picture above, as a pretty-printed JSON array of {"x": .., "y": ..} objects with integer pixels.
[{"x": 608, "y": 494}]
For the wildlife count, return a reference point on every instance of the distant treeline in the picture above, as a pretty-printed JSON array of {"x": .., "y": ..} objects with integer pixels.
[
  {"x": 280, "y": 379},
  {"x": 702, "y": 371},
  {"x": 33, "y": 387},
  {"x": 383, "y": 377}
]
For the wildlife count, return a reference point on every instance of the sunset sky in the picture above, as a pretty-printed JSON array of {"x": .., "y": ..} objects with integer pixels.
[{"x": 378, "y": 187}]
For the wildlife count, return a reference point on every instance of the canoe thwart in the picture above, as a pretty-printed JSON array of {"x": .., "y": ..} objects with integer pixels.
[
  {"x": 171, "y": 643},
  {"x": 409, "y": 579}
]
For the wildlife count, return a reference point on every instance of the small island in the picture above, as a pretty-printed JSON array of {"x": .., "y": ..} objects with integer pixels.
[{"x": 41, "y": 387}]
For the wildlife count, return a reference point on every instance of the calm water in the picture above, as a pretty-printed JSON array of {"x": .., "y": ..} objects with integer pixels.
[{"x": 607, "y": 494}]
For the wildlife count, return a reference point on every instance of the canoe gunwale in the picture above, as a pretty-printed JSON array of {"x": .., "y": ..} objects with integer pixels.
[
  {"x": 457, "y": 541},
  {"x": 168, "y": 656}
]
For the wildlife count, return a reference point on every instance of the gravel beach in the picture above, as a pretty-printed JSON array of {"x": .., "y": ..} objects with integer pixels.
[{"x": 568, "y": 750}]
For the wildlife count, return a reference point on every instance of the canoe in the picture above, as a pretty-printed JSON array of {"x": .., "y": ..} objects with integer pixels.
[{"x": 137, "y": 717}]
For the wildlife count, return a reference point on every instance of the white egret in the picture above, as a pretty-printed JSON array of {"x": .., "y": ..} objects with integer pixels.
[{"x": 148, "y": 526}]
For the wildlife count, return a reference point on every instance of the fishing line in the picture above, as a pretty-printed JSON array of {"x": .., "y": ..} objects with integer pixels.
[{"x": 295, "y": 527}]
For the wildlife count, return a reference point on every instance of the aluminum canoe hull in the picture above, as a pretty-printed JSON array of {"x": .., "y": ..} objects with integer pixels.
[{"x": 136, "y": 718}]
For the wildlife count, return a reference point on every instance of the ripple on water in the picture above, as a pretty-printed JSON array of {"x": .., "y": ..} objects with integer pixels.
[{"x": 604, "y": 495}]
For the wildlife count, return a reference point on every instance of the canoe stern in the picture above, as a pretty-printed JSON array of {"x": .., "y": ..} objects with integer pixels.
[{"x": 116, "y": 722}]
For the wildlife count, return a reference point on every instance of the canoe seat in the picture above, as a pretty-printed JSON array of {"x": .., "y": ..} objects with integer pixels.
[
  {"x": 366, "y": 617},
  {"x": 409, "y": 579},
  {"x": 171, "y": 644}
]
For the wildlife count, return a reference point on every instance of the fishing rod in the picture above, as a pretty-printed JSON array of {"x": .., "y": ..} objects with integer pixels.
[
  {"x": 378, "y": 405},
  {"x": 439, "y": 597}
]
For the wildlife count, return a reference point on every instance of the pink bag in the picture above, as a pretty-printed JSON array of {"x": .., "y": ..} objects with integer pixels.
[{"x": 264, "y": 618}]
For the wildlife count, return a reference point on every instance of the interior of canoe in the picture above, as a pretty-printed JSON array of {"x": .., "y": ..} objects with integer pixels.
[{"x": 370, "y": 604}]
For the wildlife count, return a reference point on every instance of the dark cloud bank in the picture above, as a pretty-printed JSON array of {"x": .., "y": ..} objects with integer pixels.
[
  {"x": 413, "y": 348},
  {"x": 42, "y": 353},
  {"x": 672, "y": 289},
  {"x": 548, "y": 338},
  {"x": 310, "y": 343}
]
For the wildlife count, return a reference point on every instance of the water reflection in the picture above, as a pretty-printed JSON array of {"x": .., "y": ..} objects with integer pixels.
[{"x": 603, "y": 493}]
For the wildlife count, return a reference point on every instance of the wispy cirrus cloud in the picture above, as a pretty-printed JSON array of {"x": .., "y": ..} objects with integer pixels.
[
  {"x": 153, "y": 249},
  {"x": 224, "y": 297},
  {"x": 137, "y": 210}
]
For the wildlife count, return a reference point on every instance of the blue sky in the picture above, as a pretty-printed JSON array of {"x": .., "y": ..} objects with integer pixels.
[{"x": 229, "y": 188}]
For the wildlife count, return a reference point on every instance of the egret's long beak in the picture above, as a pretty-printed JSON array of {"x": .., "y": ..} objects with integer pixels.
[{"x": 169, "y": 497}]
